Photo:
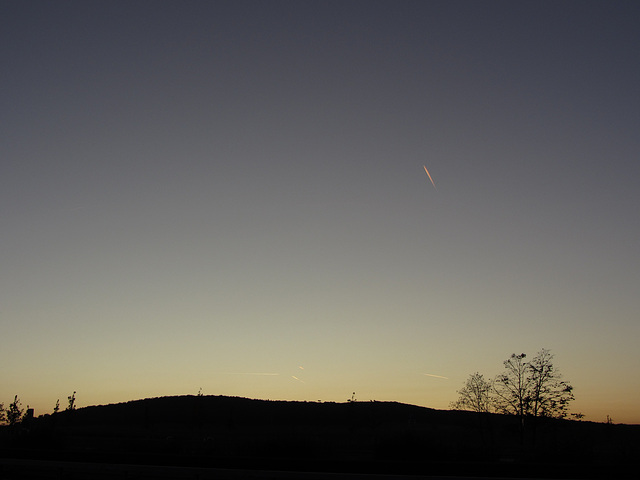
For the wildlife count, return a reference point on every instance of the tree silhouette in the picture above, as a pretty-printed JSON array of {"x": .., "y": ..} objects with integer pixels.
[
  {"x": 14, "y": 412},
  {"x": 532, "y": 389},
  {"x": 550, "y": 395},
  {"x": 513, "y": 388},
  {"x": 475, "y": 395},
  {"x": 72, "y": 402}
]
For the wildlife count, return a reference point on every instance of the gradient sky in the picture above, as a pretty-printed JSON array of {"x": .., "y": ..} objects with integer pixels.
[{"x": 195, "y": 194}]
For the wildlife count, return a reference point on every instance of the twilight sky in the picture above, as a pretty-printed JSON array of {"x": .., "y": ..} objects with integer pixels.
[{"x": 231, "y": 196}]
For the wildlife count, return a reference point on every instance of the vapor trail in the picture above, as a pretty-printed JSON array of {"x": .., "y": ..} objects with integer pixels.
[
  {"x": 435, "y": 376},
  {"x": 429, "y": 175}
]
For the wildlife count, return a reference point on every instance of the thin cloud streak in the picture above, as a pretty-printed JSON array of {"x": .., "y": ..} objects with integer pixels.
[
  {"x": 429, "y": 175},
  {"x": 435, "y": 376}
]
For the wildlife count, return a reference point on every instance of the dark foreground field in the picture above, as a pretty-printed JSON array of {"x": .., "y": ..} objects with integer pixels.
[{"x": 225, "y": 437}]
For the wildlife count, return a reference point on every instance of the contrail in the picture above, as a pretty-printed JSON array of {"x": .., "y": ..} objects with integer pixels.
[
  {"x": 429, "y": 175},
  {"x": 250, "y": 373},
  {"x": 435, "y": 376}
]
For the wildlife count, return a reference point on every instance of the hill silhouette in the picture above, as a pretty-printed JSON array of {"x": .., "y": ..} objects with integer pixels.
[{"x": 233, "y": 432}]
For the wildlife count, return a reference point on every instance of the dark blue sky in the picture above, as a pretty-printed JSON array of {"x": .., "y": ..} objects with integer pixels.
[{"x": 191, "y": 192}]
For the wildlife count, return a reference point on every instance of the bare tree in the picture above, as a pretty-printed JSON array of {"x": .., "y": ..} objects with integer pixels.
[
  {"x": 3, "y": 416},
  {"x": 513, "y": 388},
  {"x": 72, "y": 402},
  {"x": 14, "y": 412},
  {"x": 532, "y": 389},
  {"x": 550, "y": 395},
  {"x": 475, "y": 395}
]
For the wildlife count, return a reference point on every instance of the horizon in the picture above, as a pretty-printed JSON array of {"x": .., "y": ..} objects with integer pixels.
[
  {"x": 569, "y": 417},
  {"x": 347, "y": 401},
  {"x": 240, "y": 197}
]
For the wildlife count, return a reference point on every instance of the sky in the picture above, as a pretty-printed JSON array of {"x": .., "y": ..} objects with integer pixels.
[{"x": 230, "y": 197}]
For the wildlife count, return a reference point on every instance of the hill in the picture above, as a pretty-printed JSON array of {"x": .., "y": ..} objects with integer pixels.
[{"x": 232, "y": 432}]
